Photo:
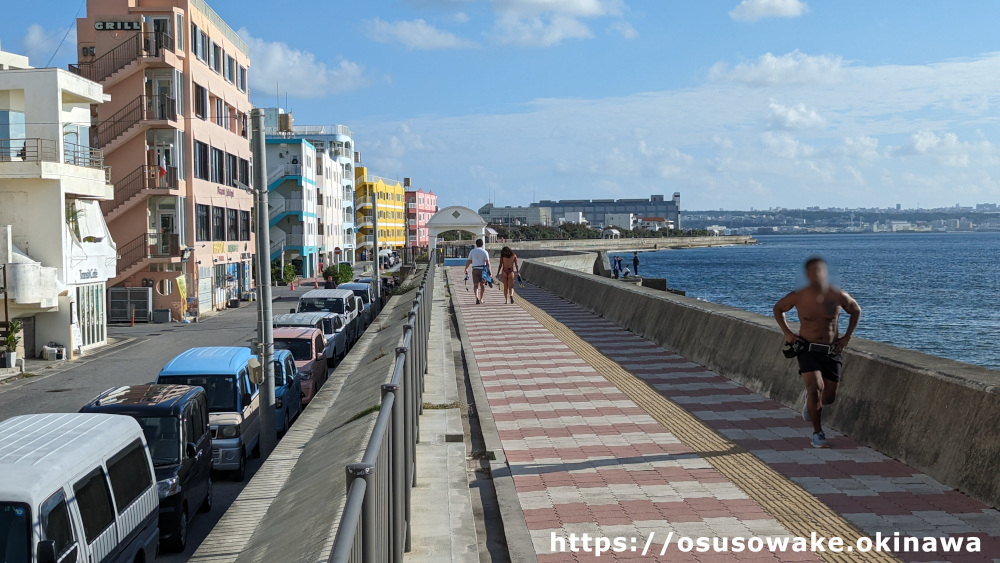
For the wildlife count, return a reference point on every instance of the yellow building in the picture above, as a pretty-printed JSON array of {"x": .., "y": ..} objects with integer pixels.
[{"x": 388, "y": 198}]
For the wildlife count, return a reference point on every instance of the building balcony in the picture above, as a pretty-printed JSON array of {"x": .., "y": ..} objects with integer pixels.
[
  {"x": 363, "y": 202},
  {"x": 80, "y": 168},
  {"x": 284, "y": 171},
  {"x": 144, "y": 110},
  {"x": 140, "y": 251},
  {"x": 278, "y": 208},
  {"x": 136, "y": 48},
  {"x": 132, "y": 188},
  {"x": 366, "y": 222}
]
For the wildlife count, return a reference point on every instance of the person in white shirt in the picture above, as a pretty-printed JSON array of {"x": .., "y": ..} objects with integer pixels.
[{"x": 479, "y": 259}]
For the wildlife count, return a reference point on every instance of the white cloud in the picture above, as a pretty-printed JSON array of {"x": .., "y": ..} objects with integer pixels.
[
  {"x": 625, "y": 29},
  {"x": 543, "y": 23},
  {"x": 714, "y": 144},
  {"x": 793, "y": 117},
  {"x": 39, "y": 44},
  {"x": 460, "y": 17},
  {"x": 753, "y": 10},
  {"x": 785, "y": 146},
  {"x": 540, "y": 32},
  {"x": 298, "y": 72},
  {"x": 415, "y": 35},
  {"x": 946, "y": 149},
  {"x": 792, "y": 68}
]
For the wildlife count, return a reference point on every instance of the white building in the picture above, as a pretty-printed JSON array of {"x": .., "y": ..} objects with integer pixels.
[
  {"x": 54, "y": 244},
  {"x": 574, "y": 217},
  {"x": 337, "y": 142},
  {"x": 620, "y": 220},
  {"x": 653, "y": 223},
  {"x": 293, "y": 197}
]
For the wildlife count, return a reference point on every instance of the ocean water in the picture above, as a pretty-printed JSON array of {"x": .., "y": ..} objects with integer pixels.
[{"x": 937, "y": 293}]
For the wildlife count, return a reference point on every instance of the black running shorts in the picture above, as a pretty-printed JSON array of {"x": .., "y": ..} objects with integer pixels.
[{"x": 827, "y": 364}]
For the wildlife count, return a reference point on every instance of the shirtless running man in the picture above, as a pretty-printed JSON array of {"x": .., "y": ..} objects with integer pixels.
[{"x": 819, "y": 307}]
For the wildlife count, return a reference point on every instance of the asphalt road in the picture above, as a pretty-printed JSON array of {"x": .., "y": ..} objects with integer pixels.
[{"x": 65, "y": 387}]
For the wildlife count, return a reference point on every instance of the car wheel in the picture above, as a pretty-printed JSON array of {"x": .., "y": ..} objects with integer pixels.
[
  {"x": 241, "y": 472},
  {"x": 206, "y": 505},
  {"x": 284, "y": 425},
  {"x": 180, "y": 540}
]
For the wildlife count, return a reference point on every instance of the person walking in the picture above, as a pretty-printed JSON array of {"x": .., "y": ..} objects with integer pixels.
[
  {"x": 635, "y": 263},
  {"x": 614, "y": 267},
  {"x": 818, "y": 345},
  {"x": 506, "y": 270},
  {"x": 479, "y": 259}
]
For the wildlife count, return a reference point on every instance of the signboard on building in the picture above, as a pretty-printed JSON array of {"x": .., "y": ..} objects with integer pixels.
[{"x": 119, "y": 26}]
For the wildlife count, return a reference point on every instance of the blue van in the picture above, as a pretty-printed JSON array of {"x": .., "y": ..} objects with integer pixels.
[{"x": 233, "y": 401}]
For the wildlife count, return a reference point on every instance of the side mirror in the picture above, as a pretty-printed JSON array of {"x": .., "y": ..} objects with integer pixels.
[
  {"x": 191, "y": 450},
  {"x": 46, "y": 551},
  {"x": 291, "y": 310}
]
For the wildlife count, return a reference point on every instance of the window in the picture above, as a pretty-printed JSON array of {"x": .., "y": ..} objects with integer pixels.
[
  {"x": 244, "y": 225},
  {"x": 196, "y": 43},
  {"x": 220, "y": 116},
  {"x": 196, "y": 425},
  {"x": 218, "y": 166},
  {"x": 216, "y": 58},
  {"x": 201, "y": 160},
  {"x": 218, "y": 223},
  {"x": 244, "y": 130},
  {"x": 202, "y": 45},
  {"x": 230, "y": 69},
  {"x": 94, "y": 501},
  {"x": 202, "y": 230},
  {"x": 55, "y": 523},
  {"x": 232, "y": 170},
  {"x": 232, "y": 224},
  {"x": 180, "y": 31},
  {"x": 200, "y": 101},
  {"x": 244, "y": 172},
  {"x": 241, "y": 80},
  {"x": 130, "y": 475}
]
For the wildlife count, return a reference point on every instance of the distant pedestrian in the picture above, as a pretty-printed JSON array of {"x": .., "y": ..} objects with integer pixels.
[
  {"x": 329, "y": 283},
  {"x": 627, "y": 273},
  {"x": 635, "y": 263},
  {"x": 818, "y": 345},
  {"x": 505, "y": 272},
  {"x": 479, "y": 259},
  {"x": 614, "y": 267}
]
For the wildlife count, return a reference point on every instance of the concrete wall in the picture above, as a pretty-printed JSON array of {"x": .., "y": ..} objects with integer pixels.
[
  {"x": 578, "y": 261},
  {"x": 625, "y": 244},
  {"x": 936, "y": 415}
]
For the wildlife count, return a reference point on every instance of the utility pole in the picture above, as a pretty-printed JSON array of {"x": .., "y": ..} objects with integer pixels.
[
  {"x": 265, "y": 353},
  {"x": 375, "y": 262}
]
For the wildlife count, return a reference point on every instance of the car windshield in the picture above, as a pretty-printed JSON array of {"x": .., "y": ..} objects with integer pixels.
[
  {"x": 162, "y": 437},
  {"x": 221, "y": 389},
  {"x": 15, "y": 531},
  {"x": 300, "y": 349},
  {"x": 321, "y": 305}
]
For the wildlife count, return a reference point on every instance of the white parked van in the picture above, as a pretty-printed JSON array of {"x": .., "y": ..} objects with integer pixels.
[
  {"x": 76, "y": 488},
  {"x": 340, "y": 301}
]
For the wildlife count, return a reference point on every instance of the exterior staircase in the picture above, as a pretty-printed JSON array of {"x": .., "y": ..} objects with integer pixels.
[
  {"x": 103, "y": 69},
  {"x": 135, "y": 255},
  {"x": 130, "y": 189}
]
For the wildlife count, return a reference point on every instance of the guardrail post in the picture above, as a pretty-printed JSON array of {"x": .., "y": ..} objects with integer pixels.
[
  {"x": 411, "y": 415},
  {"x": 399, "y": 520},
  {"x": 366, "y": 471}
]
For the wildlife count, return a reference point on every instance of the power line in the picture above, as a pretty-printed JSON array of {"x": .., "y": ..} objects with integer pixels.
[{"x": 68, "y": 29}]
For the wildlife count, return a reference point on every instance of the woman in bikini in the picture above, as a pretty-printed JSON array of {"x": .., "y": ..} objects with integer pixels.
[{"x": 506, "y": 270}]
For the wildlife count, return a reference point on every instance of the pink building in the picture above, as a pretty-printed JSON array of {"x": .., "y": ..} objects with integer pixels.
[
  {"x": 420, "y": 207},
  {"x": 176, "y": 135}
]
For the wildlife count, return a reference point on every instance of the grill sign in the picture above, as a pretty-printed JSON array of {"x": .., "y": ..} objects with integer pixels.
[{"x": 128, "y": 26}]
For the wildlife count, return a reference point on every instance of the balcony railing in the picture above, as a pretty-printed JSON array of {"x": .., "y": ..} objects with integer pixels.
[
  {"x": 140, "y": 45},
  {"x": 146, "y": 246},
  {"x": 142, "y": 178},
  {"x": 47, "y": 150},
  {"x": 143, "y": 108},
  {"x": 284, "y": 170}
]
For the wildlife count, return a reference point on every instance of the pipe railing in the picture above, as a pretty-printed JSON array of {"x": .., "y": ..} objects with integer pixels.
[{"x": 375, "y": 525}]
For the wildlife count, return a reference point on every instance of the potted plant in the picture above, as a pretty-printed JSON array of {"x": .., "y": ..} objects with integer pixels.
[{"x": 10, "y": 343}]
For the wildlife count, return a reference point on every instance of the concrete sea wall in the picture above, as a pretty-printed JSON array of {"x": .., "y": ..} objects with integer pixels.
[
  {"x": 934, "y": 414},
  {"x": 624, "y": 244}
]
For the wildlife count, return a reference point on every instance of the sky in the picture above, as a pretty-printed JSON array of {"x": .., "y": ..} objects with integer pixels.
[{"x": 736, "y": 104}]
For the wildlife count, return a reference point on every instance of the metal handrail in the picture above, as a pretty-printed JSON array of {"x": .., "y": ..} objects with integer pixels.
[
  {"x": 145, "y": 177},
  {"x": 47, "y": 150},
  {"x": 142, "y": 108},
  {"x": 146, "y": 44},
  {"x": 375, "y": 525}
]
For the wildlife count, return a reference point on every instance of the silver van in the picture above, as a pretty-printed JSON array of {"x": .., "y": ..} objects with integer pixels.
[
  {"x": 340, "y": 301},
  {"x": 76, "y": 488}
]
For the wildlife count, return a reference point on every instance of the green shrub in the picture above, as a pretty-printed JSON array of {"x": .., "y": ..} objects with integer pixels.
[{"x": 346, "y": 274}]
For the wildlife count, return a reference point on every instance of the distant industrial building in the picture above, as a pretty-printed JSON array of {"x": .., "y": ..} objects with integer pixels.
[
  {"x": 596, "y": 210},
  {"x": 516, "y": 216}
]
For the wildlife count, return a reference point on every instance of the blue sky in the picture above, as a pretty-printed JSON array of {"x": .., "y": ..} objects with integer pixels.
[{"x": 752, "y": 103}]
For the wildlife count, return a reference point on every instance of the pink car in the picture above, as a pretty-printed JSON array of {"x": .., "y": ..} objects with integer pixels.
[{"x": 308, "y": 348}]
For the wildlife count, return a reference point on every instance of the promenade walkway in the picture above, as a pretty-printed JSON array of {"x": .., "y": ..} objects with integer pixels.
[{"x": 608, "y": 434}]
